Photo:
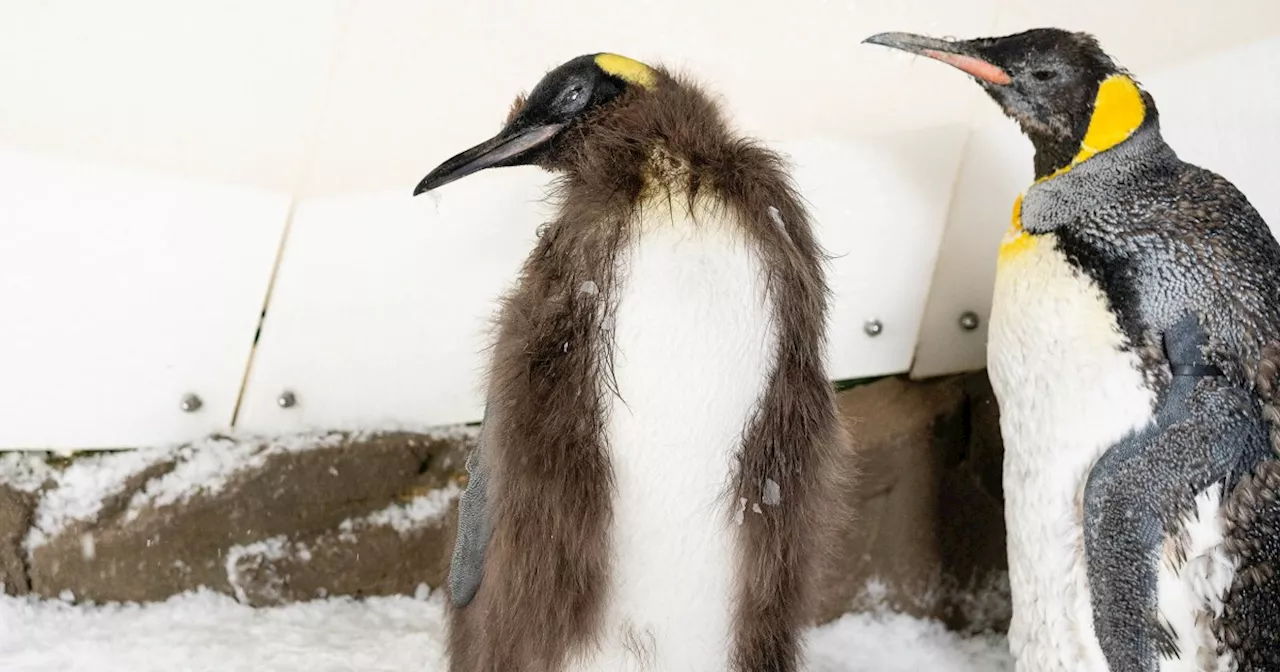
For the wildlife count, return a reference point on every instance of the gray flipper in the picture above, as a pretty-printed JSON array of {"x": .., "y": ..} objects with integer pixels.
[
  {"x": 1206, "y": 431},
  {"x": 474, "y": 527}
]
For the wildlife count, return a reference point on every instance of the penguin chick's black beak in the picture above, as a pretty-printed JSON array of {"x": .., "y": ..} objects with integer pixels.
[
  {"x": 960, "y": 54},
  {"x": 504, "y": 149}
]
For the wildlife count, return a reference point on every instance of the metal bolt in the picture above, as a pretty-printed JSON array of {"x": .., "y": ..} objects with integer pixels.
[
  {"x": 191, "y": 403},
  {"x": 968, "y": 320},
  {"x": 286, "y": 399},
  {"x": 873, "y": 327}
]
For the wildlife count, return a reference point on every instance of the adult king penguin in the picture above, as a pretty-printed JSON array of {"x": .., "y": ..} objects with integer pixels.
[
  {"x": 1136, "y": 305},
  {"x": 660, "y": 450}
]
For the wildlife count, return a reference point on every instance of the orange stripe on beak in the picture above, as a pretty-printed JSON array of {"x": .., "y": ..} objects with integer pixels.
[{"x": 974, "y": 66}]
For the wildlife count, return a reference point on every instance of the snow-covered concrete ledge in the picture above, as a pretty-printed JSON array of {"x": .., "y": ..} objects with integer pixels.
[
  {"x": 273, "y": 521},
  {"x": 266, "y": 520}
]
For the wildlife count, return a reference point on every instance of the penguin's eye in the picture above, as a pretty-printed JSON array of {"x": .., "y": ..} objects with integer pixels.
[
  {"x": 1044, "y": 75},
  {"x": 573, "y": 99}
]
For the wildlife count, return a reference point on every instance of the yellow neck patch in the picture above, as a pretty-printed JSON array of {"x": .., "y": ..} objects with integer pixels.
[
  {"x": 628, "y": 70},
  {"x": 1118, "y": 111},
  {"x": 1016, "y": 240}
]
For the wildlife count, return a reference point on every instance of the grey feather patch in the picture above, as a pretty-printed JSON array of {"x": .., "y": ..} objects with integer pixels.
[{"x": 1141, "y": 491}]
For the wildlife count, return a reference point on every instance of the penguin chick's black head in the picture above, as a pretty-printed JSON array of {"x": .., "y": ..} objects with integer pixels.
[
  {"x": 1046, "y": 79},
  {"x": 568, "y": 96}
]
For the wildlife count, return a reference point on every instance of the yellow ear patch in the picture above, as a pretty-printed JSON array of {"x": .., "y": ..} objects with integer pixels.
[
  {"x": 628, "y": 70},
  {"x": 1118, "y": 111}
]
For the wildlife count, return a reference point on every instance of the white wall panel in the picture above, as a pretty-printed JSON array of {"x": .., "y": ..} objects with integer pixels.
[
  {"x": 227, "y": 90},
  {"x": 150, "y": 150},
  {"x": 879, "y": 204},
  {"x": 1147, "y": 35},
  {"x": 120, "y": 292},
  {"x": 995, "y": 168},
  {"x": 381, "y": 309}
]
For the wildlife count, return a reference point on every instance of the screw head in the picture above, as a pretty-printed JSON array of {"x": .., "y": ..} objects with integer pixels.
[
  {"x": 191, "y": 403},
  {"x": 968, "y": 320},
  {"x": 873, "y": 327},
  {"x": 286, "y": 400}
]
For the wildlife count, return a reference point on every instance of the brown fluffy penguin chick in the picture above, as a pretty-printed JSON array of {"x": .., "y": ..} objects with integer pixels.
[{"x": 661, "y": 457}]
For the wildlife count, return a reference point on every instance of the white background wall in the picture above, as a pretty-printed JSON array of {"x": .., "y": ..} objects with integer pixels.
[{"x": 167, "y": 169}]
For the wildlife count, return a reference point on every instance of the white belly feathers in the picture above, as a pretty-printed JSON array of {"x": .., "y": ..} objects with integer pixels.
[
  {"x": 694, "y": 346},
  {"x": 1066, "y": 392}
]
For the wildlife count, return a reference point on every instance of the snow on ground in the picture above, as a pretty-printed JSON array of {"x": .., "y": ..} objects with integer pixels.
[
  {"x": 260, "y": 553},
  {"x": 208, "y": 632},
  {"x": 205, "y": 631},
  {"x": 886, "y": 642}
]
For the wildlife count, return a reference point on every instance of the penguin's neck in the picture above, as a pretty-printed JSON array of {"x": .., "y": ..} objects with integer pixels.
[
  {"x": 1120, "y": 110},
  {"x": 673, "y": 121},
  {"x": 1112, "y": 160}
]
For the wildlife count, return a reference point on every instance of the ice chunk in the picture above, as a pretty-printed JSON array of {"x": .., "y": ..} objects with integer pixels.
[
  {"x": 26, "y": 471},
  {"x": 776, "y": 216},
  {"x": 772, "y": 492}
]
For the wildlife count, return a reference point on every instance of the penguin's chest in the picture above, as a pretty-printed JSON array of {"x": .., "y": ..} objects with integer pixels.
[
  {"x": 693, "y": 348},
  {"x": 1067, "y": 391}
]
